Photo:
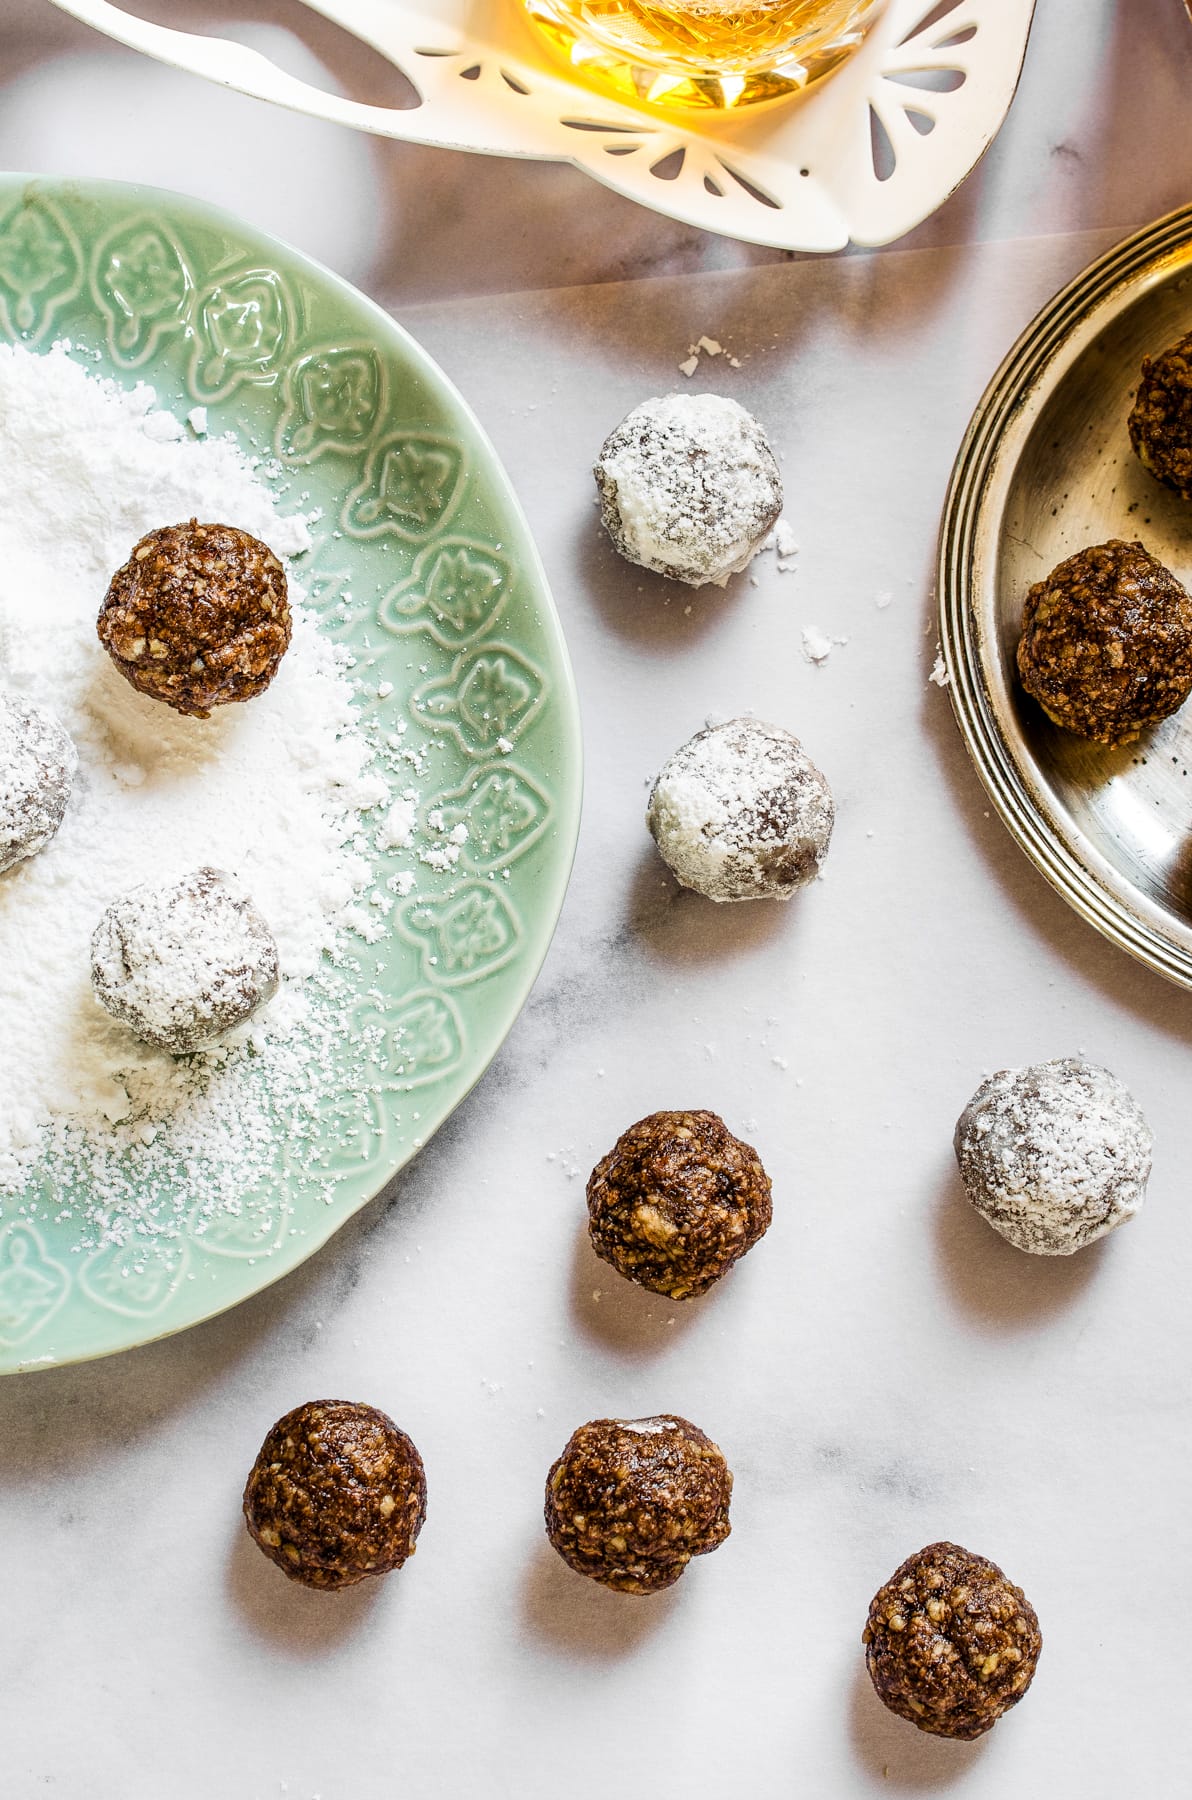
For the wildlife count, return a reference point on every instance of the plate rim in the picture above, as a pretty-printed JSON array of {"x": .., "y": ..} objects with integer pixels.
[
  {"x": 175, "y": 206},
  {"x": 1101, "y": 896}
]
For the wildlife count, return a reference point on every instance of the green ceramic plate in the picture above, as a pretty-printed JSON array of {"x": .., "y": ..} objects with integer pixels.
[{"x": 424, "y": 562}]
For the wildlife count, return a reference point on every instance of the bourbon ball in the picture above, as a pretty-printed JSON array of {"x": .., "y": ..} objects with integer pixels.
[
  {"x": 185, "y": 963},
  {"x": 1054, "y": 1156},
  {"x": 676, "y": 1202},
  {"x": 631, "y": 1501},
  {"x": 197, "y": 617},
  {"x": 740, "y": 812},
  {"x": 37, "y": 771},
  {"x": 337, "y": 1493},
  {"x": 1160, "y": 422},
  {"x": 951, "y": 1644},
  {"x": 1106, "y": 645},
  {"x": 689, "y": 487}
]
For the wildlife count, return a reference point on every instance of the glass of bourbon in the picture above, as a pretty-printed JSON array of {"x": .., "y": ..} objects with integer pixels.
[{"x": 705, "y": 53}]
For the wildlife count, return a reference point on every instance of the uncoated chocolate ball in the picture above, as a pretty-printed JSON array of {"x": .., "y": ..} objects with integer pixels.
[
  {"x": 951, "y": 1644},
  {"x": 631, "y": 1501},
  {"x": 1160, "y": 422},
  {"x": 676, "y": 1202},
  {"x": 198, "y": 616},
  {"x": 337, "y": 1493},
  {"x": 1106, "y": 645}
]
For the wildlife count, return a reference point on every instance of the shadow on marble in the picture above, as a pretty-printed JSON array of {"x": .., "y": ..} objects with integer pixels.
[
  {"x": 301, "y": 1621},
  {"x": 577, "y": 1617},
  {"x": 680, "y": 926},
  {"x": 626, "y": 1318},
  {"x": 651, "y": 610},
  {"x": 897, "y": 1752},
  {"x": 1122, "y": 981},
  {"x": 993, "y": 1283}
]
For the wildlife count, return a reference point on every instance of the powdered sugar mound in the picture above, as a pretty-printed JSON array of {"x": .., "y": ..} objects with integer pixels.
[
  {"x": 272, "y": 791},
  {"x": 740, "y": 812},
  {"x": 1054, "y": 1156},
  {"x": 689, "y": 487}
]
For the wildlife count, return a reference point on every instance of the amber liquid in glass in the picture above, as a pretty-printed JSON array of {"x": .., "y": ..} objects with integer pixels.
[{"x": 713, "y": 53}]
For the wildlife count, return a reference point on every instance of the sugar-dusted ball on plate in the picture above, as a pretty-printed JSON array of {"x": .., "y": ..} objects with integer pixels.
[
  {"x": 185, "y": 963},
  {"x": 689, "y": 487},
  {"x": 337, "y": 1493},
  {"x": 676, "y": 1202},
  {"x": 631, "y": 1501},
  {"x": 951, "y": 1644},
  {"x": 1106, "y": 644},
  {"x": 198, "y": 616},
  {"x": 1055, "y": 1155},
  {"x": 740, "y": 812},
  {"x": 37, "y": 770}
]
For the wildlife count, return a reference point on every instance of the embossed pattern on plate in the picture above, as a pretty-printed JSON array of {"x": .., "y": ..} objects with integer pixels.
[
  {"x": 1045, "y": 469},
  {"x": 422, "y": 564}
]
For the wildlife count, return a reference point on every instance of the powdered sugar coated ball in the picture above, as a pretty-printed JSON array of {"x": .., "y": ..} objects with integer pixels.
[
  {"x": 37, "y": 769},
  {"x": 186, "y": 963},
  {"x": 1054, "y": 1156},
  {"x": 689, "y": 487},
  {"x": 741, "y": 812}
]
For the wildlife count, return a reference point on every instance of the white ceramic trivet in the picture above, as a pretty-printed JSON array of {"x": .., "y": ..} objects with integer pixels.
[{"x": 866, "y": 155}]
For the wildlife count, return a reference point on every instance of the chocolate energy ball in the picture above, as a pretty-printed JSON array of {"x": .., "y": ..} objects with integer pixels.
[
  {"x": 676, "y": 1202},
  {"x": 631, "y": 1501},
  {"x": 1160, "y": 422},
  {"x": 740, "y": 812},
  {"x": 186, "y": 963},
  {"x": 689, "y": 487},
  {"x": 197, "y": 617},
  {"x": 37, "y": 770},
  {"x": 1054, "y": 1156},
  {"x": 951, "y": 1644},
  {"x": 337, "y": 1493},
  {"x": 1106, "y": 645}
]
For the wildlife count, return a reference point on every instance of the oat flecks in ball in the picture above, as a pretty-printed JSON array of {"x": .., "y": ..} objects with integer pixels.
[
  {"x": 951, "y": 1644},
  {"x": 1160, "y": 421},
  {"x": 689, "y": 487},
  {"x": 37, "y": 770},
  {"x": 740, "y": 812},
  {"x": 1054, "y": 1156},
  {"x": 631, "y": 1501},
  {"x": 1106, "y": 645},
  {"x": 185, "y": 963},
  {"x": 198, "y": 616},
  {"x": 337, "y": 1493},
  {"x": 676, "y": 1202}
]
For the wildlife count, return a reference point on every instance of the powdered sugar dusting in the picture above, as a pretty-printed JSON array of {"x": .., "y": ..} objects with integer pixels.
[
  {"x": 689, "y": 487},
  {"x": 1054, "y": 1156},
  {"x": 278, "y": 792}
]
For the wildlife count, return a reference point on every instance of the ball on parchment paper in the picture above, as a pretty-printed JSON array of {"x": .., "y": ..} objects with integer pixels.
[
  {"x": 740, "y": 812},
  {"x": 689, "y": 487}
]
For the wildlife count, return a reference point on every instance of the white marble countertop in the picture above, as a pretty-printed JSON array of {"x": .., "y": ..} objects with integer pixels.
[{"x": 882, "y": 1371}]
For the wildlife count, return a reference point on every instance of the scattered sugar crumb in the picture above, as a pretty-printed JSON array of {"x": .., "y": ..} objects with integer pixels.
[
  {"x": 882, "y": 600},
  {"x": 816, "y": 647},
  {"x": 196, "y": 418},
  {"x": 939, "y": 671}
]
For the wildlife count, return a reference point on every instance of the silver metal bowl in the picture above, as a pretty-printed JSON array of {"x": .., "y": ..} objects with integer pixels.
[{"x": 1045, "y": 469}]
